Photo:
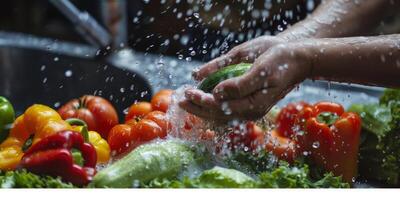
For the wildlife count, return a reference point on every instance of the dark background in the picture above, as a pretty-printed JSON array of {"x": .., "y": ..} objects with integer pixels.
[{"x": 169, "y": 27}]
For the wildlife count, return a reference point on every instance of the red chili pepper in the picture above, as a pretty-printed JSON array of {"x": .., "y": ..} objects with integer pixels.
[{"x": 54, "y": 156}]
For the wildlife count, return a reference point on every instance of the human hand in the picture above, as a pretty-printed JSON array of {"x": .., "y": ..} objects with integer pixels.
[
  {"x": 246, "y": 52},
  {"x": 273, "y": 74}
]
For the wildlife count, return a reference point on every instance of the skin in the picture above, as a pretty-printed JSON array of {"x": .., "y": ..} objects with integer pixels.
[{"x": 303, "y": 51}]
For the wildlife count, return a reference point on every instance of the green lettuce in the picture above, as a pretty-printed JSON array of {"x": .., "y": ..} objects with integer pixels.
[{"x": 24, "y": 179}]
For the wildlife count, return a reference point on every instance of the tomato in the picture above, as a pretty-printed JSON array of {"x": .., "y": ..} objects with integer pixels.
[
  {"x": 191, "y": 121},
  {"x": 138, "y": 110},
  {"x": 249, "y": 138},
  {"x": 283, "y": 148},
  {"x": 121, "y": 138},
  {"x": 161, "y": 100},
  {"x": 161, "y": 120},
  {"x": 147, "y": 130},
  {"x": 97, "y": 112},
  {"x": 131, "y": 122},
  {"x": 286, "y": 121}
]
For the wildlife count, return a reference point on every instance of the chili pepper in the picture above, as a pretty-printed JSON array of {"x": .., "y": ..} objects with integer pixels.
[
  {"x": 7, "y": 117},
  {"x": 102, "y": 147},
  {"x": 38, "y": 120},
  {"x": 332, "y": 137},
  {"x": 60, "y": 155}
]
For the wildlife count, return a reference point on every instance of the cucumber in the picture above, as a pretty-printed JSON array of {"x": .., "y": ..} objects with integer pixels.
[
  {"x": 208, "y": 84},
  {"x": 156, "y": 160}
]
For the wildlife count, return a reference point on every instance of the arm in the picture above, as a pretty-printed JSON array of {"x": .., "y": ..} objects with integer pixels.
[
  {"x": 366, "y": 60},
  {"x": 333, "y": 18},
  {"x": 342, "y": 18}
]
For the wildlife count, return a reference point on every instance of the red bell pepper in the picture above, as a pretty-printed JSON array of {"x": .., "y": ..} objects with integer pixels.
[
  {"x": 58, "y": 155},
  {"x": 287, "y": 120},
  {"x": 331, "y": 138}
]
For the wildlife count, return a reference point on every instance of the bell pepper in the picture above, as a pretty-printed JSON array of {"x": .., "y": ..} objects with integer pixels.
[
  {"x": 331, "y": 137},
  {"x": 7, "y": 117},
  {"x": 102, "y": 148},
  {"x": 38, "y": 120},
  {"x": 64, "y": 154}
]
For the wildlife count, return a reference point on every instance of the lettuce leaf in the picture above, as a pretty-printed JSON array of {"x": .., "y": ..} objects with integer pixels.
[{"x": 24, "y": 179}]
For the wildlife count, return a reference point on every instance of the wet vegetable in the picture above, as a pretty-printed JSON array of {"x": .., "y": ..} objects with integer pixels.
[
  {"x": 283, "y": 176},
  {"x": 138, "y": 110},
  {"x": 208, "y": 84},
  {"x": 24, "y": 179},
  {"x": 7, "y": 117},
  {"x": 161, "y": 100},
  {"x": 39, "y": 120},
  {"x": 324, "y": 133},
  {"x": 156, "y": 160},
  {"x": 97, "y": 112},
  {"x": 64, "y": 154}
]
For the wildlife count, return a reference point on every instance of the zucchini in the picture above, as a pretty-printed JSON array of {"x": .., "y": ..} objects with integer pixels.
[
  {"x": 208, "y": 84},
  {"x": 156, "y": 160}
]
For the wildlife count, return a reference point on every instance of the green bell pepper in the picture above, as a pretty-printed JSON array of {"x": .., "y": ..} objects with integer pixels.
[{"x": 7, "y": 117}]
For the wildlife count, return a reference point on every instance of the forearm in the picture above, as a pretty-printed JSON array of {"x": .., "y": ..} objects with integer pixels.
[
  {"x": 342, "y": 18},
  {"x": 364, "y": 60}
]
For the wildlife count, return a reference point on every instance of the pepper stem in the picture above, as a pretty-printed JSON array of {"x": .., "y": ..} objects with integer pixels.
[
  {"x": 327, "y": 118},
  {"x": 79, "y": 122}
]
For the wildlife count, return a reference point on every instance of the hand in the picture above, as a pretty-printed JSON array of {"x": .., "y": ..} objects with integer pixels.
[
  {"x": 273, "y": 74},
  {"x": 246, "y": 52}
]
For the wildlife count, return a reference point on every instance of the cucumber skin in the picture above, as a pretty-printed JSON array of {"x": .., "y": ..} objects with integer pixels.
[
  {"x": 208, "y": 84},
  {"x": 156, "y": 160}
]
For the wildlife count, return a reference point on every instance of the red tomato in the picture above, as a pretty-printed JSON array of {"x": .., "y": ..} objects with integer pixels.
[
  {"x": 190, "y": 121},
  {"x": 161, "y": 100},
  {"x": 283, "y": 148},
  {"x": 147, "y": 130},
  {"x": 251, "y": 138},
  {"x": 138, "y": 110},
  {"x": 97, "y": 112},
  {"x": 161, "y": 120},
  {"x": 122, "y": 138},
  {"x": 286, "y": 121}
]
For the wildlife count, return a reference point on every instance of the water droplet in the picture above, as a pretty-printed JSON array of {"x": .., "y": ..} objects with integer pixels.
[
  {"x": 315, "y": 145},
  {"x": 68, "y": 73},
  {"x": 56, "y": 59}
]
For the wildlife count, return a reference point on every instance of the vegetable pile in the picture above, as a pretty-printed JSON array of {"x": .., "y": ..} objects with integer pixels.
[{"x": 302, "y": 145}]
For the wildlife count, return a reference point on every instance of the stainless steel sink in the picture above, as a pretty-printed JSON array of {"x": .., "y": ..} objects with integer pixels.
[{"x": 49, "y": 72}]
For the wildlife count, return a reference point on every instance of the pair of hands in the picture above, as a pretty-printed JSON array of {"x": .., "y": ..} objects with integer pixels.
[{"x": 277, "y": 67}]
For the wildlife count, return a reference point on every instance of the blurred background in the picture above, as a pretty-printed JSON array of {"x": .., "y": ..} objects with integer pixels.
[{"x": 193, "y": 29}]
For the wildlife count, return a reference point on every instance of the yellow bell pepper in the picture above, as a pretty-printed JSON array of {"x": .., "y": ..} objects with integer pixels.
[
  {"x": 102, "y": 148},
  {"x": 39, "y": 120}
]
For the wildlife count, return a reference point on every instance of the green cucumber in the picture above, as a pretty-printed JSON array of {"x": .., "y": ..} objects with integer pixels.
[
  {"x": 208, "y": 84},
  {"x": 164, "y": 159}
]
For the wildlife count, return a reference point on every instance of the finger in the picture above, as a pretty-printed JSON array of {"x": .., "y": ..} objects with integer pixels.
[
  {"x": 255, "y": 105},
  {"x": 209, "y": 114},
  {"x": 216, "y": 64},
  {"x": 202, "y": 99}
]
